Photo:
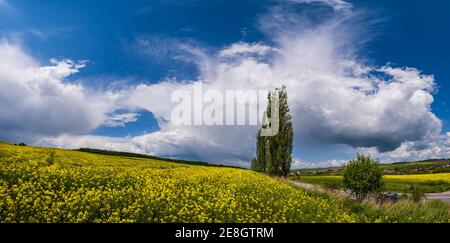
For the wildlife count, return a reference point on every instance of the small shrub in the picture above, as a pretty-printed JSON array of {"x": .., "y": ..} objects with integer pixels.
[
  {"x": 363, "y": 176},
  {"x": 415, "y": 193}
]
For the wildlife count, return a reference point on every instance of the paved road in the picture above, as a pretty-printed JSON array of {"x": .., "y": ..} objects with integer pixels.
[
  {"x": 314, "y": 187},
  {"x": 443, "y": 196}
]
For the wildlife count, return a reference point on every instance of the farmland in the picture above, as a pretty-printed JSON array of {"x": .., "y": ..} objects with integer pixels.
[
  {"x": 55, "y": 185},
  {"x": 431, "y": 166},
  {"x": 51, "y": 185},
  {"x": 395, "y": 183}
]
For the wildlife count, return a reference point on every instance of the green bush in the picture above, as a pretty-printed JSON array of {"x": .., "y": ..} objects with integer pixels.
[
  {"x": 415, "y": 193},
  {"x": 363, "y": 176}
]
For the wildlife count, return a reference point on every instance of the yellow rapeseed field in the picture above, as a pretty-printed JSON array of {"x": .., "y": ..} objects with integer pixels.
[
  {"x": 424, "y": 177},
  {"x": 53, "y": 185}
]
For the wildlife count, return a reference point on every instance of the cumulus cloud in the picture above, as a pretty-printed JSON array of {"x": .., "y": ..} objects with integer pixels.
[
  {"x": 121, "y": 119},
  {"x": 412, "y": 151},
  {"x": 335, "y": 97},
  {"x": 91, "y": 141},
  {"x": 173, "y": 143},
  {"x": 328, "y": 163},
  {"x": 35, "y": 100}
]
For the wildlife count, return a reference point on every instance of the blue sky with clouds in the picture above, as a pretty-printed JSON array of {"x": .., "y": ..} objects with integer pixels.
[{"x": 363, "y": 76}]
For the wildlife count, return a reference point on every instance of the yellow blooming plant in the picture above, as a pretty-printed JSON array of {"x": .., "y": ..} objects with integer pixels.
[
  {"x": 445, "y": 177},
  {"x": 55, "y": 185}
]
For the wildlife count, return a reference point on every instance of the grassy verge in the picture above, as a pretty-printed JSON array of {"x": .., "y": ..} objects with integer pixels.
[{"x": 402, "y": 211}]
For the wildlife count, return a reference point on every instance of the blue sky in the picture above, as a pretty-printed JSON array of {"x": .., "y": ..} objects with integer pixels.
[{"x": 132, "y": 43}]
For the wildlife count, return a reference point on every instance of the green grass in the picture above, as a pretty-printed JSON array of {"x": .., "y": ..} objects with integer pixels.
[
  {"x": 419, "y": 167},
  {"x": 403, "y": 211},
  {"x": 392, "y": 183}
]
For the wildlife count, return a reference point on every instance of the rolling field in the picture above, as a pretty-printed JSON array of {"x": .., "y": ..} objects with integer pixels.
[
  {"x": 395, "y": 183},
  {"x": 51, "y": 185},
  {"x": 55, "y": 185}
]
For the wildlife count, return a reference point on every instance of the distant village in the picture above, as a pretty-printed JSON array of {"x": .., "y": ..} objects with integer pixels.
[{"x": 417, "y": 167}]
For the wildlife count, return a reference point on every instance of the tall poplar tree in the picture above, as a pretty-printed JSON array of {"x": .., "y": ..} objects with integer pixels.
[{"x": 274, "y": 153}]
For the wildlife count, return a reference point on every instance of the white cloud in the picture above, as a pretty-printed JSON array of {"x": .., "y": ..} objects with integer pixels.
[
  {"x": 242, "y": 48},
  {"x": 337, "y": 5},
  {"x": 334, "y": 97},
  {"x": 90, "y": 141},
  {"x": 438, "y": 148},
  {"x": 121, "y": 119},
  {"x": 334, "y": 100},
  {"x": 35, "y": 100},
  {"x": 165, "y": 50},
  {"x": 174, "y": 143},
  {"x": 297, "y": 164}
]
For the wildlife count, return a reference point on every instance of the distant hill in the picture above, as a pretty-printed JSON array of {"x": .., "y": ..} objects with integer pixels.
[
  {"x": 430, "y": 166},
  {"x": 136, "y": 155}
]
